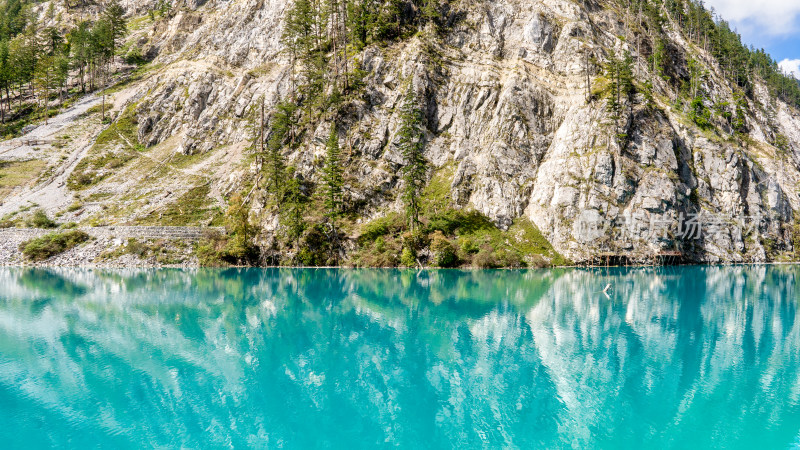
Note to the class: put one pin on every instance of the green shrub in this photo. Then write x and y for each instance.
(241, 231)
(236, 247)
(40, 220)
(391, 224)
(468, 245)
(385, 251)
(492, 258)
(508, 258)
(93, 110)
(45, 247)
(443, 251)
(380, 244)
(455, 220)
(74, 207)
(92, 170)
(315, 247)
(134, 247)
(408, 258)
(538, 262)
(211, 250)
(134, 57)
(218, 250)
(485, 258)
(699, 114)
(194, 207)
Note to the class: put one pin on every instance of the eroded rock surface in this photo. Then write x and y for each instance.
(506, 108)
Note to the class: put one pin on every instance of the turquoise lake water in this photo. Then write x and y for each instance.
(698, 357)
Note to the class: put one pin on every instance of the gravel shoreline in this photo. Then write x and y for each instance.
(166, 247)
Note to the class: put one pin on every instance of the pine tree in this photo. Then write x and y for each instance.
(30, 51)
(114, 14)
(293, 207)
(102, 48)
(696, 75)
(332, 177)
(415, 166)
(658, 56)
(333, 183)
(80, 44)
(620, 73)
(22, 59)
(305, 37)
(61, 65)
(6, 72)
(241, 231)
(299, 29)
(429, 12)
(739, 122)
(12, 19)
(334, 14)
(358, 23)
(52, 41)
(281, 131)
(43, 81)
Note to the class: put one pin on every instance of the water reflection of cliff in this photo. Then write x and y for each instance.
(200, 358)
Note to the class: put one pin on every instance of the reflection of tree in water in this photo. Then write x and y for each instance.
(441, 358)
(48, 283)
(674, 357)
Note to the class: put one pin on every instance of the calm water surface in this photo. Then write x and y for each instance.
(695, 358)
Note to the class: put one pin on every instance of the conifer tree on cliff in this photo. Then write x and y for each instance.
(411, 147)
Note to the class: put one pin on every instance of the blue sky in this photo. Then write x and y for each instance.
(770, 24)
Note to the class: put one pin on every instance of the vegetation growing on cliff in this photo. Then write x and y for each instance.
(647, 28)
(415, 167)
(47, 246)
(322, 38)
(309, 193)
(36, 60)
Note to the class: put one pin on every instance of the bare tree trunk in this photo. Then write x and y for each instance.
(262, 126)
(588, 76)
(46, 98)
(294, 94)
(8, 99)
(344, 45)
(103, 107)
(335, 37)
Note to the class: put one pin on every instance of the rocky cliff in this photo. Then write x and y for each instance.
(517, 126)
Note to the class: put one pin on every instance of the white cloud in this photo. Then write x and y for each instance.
(769, 17)
(791, 66)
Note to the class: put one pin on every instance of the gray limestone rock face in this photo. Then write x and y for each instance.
(505, 98)
(539, 32)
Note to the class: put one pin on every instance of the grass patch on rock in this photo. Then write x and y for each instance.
(451, 237)
(45, 247)
(15, 174)
(124, 130)
(160, 251)
(92, 170)
(115, 146)
(39, 219)
(454, 238)
(192, 208)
